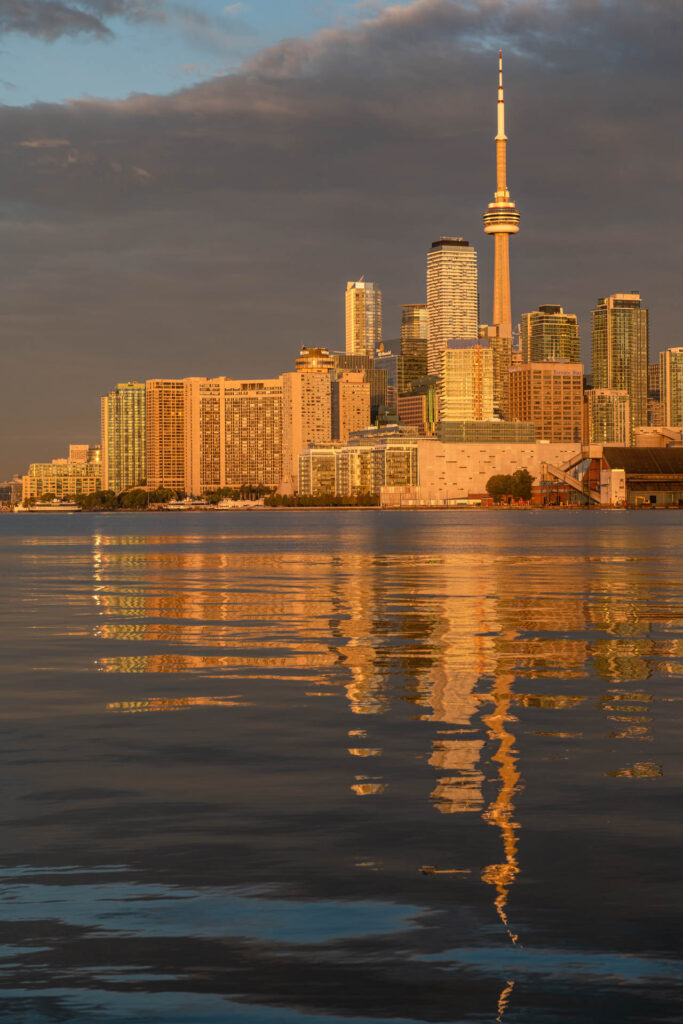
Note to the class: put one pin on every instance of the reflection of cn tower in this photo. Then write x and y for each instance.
(501, 220)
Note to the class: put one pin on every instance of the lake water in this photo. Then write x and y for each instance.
(302, 767)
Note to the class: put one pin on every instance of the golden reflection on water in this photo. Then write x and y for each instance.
(459, 637)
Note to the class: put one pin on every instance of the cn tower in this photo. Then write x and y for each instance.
(501, 220)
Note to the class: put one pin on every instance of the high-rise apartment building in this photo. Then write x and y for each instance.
(466, 386)
(452, 296)
(376, 378)
(314, 360)
(233, 433)
(306, 418)
(549, 334)
(123, 437)
(64, 478)
(363, 318)
(501, 348)
(501, 220)
(415, 364)
(607, 417)
(253, 432)
(414, 321)
(671, 377)
(165, 433)
(620, 350)
(549, 395)
(350, 404)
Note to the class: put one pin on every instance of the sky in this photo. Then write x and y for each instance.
(187, 185)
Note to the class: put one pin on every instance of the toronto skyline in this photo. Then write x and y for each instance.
(169, 232)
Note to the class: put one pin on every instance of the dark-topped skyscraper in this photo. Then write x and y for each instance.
(501, 220)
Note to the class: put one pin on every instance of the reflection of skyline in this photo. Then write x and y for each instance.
(448, 636)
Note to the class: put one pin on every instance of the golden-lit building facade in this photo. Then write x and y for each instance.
(350, 404)
(466, 387)
(452, 296)
(671, 386)
(363, 318)
(123, 432)
(64, 478)
(306, 418)
(549, 395)
(607, 417)
(165, 429)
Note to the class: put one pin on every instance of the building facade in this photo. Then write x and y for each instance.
(607, 417)
(306, 419)
(348, 469)
(350, 404)
(165, 433)
(123, 430)
(466, 386)
(452, 296)
(64, 478)
(671, 385)
(363, 318)
(549, 395)
(414, 321)
(620, 350)
(548, 334)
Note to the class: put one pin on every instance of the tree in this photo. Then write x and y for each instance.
(522, 481)
(499, 486)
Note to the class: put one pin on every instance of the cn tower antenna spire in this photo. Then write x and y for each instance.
(501, 220)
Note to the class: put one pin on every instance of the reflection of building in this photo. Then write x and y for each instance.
(607, 417)
(548, 334)
(363, 318)
(452, 296)
(671, 378)
(620, 350)
(123, 437)
(549, 395)
(165, 429)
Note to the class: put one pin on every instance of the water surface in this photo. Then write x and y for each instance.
(302, 767)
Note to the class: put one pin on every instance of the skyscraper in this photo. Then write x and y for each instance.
(306, 418)
(350, 404)
(607, 418)
(549, 395)
(363, 318)
(620, 350)
(671, 385)
(452, 296)
(466, 389)
(414, 321)
(549, 333)
(123, 437)
(165, 434)
(501, 220)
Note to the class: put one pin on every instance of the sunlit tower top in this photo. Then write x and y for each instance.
(501, 220)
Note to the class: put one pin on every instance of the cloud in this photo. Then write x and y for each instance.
(50, 19)
(342, 154)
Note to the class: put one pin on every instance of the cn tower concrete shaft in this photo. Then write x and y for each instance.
(501, 219)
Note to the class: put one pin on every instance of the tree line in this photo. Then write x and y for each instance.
(515, 485)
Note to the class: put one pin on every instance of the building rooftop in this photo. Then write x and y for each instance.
(649, 461)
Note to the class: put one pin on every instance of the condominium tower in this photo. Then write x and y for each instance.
(414, 321)
(123, 437)
(620, 350)
(549, 395)
(607, 417)
(165, 433)
(671, 384)
(363, 317)
(548, 333)
(501, 220)
(466, 388)
(452, 296)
